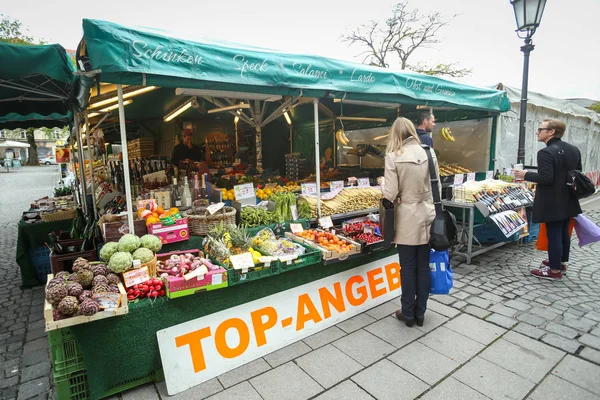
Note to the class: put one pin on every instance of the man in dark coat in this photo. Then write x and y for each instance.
(186, 150)
(425, 124)
(554, 204)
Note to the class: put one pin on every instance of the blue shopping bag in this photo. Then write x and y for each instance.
(441, 272)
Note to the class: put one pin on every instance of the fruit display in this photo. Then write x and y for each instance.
(120, 255)
(154, 214)
(151, 289)
(446, 134)
(369, 238)
(225, 240)
(347, 200)
(327, 240)
(453, 169)
(228, 194)
(72, 294)
(268, 243)
(341, 137)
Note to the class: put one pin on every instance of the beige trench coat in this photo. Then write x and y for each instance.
(408, 186)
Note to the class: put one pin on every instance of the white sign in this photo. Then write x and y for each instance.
(201, 349)
(325, 222)
(294, 211)
(336, 186)
(242, 261)
(296, 228)
(363, 182)
(136, 276)
(489, 175)
(309, 189)
(213, 208)
(458, 179)
(470, 176)
(245, 191)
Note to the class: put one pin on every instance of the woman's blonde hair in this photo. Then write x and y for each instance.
(401, 130)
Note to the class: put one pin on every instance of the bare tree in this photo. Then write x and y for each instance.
(400, 36)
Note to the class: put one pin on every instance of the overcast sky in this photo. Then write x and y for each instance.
(482, 36)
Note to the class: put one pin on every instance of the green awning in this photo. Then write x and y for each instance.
(36, 84)
(143, 57)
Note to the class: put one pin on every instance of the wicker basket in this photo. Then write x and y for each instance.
(151, 267)
(200, 221)
(59, 215)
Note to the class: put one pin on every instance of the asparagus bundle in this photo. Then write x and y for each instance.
(347, 200)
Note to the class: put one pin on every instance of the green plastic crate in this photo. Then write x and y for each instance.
(157, 376)
(310, 257)
(72, 386)
(66, 356)
(236, 277)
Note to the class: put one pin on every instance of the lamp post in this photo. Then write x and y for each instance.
(528, 14)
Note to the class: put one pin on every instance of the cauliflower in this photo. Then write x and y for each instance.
(151, 242)
(120, 262)
(143, 254)
(129, 242)
(108, 250)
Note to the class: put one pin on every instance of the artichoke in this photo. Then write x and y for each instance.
(68, 305)
(74, 289)
(84, 277)
(88, 307)
(100, 269)
(113, 278)
(56, 293)
(99, 279)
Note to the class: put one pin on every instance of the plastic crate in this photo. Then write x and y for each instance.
(534, 232)
(66, 357)
(310, 257)
(72, 386)
(490, 233)
(236, 277)
(156, 376)
(40, 260)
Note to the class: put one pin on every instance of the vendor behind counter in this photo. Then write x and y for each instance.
(186, 150)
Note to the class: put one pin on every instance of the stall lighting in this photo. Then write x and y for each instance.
(381, 137)
(368, 103)
(229, 108)
(125, 96)
(227, 94)
(179, 110)
(115, 106)
(236, 119)
(94, 114)
(287, 117)
(361, 119)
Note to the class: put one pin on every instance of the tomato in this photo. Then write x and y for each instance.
(162, 293)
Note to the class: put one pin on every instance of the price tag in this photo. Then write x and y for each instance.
(198, 272)
(296, 228)
(108, 301)
(309, 189)
(245, 191)
(136, 276)
(325, 222)
(242, 261)
(215, 207)
(217, 279)
(335, 186)
(489, 175)
(471, 177)
(294, 211)
(363, 182)
(458, 179)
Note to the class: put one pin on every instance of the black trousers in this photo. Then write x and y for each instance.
(559, 243)
(416, 278)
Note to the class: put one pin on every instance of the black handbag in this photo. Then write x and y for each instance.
(386, 221)
(580, 185)
(443, 230)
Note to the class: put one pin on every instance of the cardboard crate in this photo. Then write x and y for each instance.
(177, 232)
(329, 255)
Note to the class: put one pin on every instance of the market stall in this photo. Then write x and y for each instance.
(311, 252)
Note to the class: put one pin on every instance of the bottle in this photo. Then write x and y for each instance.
(197, 192)
(204, 191)
(186, 201)
(175, 194)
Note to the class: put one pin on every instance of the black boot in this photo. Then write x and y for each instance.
(408, 321)
(420, 320)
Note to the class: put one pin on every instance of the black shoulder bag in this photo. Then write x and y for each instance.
(443, 230)
(580, 185)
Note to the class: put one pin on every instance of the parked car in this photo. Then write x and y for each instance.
(49, 161)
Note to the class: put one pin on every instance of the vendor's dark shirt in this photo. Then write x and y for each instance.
(424, 136)
(182, 152)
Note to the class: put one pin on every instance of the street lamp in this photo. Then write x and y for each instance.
(528, 14)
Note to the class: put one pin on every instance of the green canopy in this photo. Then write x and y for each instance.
(144, 57)
(36, 85)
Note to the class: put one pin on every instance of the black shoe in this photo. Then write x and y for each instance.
(408, 321)
(420, 320)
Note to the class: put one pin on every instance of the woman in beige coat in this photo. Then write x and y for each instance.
(408, 186)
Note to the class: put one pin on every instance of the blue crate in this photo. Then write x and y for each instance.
(490, 233)
(40, 260)
(534, 232)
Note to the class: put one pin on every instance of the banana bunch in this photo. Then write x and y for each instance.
(341, 137)
(446, 134)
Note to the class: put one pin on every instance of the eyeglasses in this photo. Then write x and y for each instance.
(544, 129)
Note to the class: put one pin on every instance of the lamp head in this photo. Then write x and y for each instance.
(528, 15)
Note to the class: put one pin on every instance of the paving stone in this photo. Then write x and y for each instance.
(423, 362)
(243, 373)
(476, 311)
(324, 337)
(491, 297)
(451, 388)
(245, 391)
(442, 309)
(287, 381)
(472, 290)
(328, 365)
(475, 329)
(461, 295)
(35, 334)
(10, 382)
(35, 357)
(33, 388)
(544, 313)
(432, 321)
(35, 371)
(459, 305)
(492, 380)
(531, 319)
(590, 340)
(595, 332)
(581, 324)
(444, 299)
(451, 344)
(593, 316)
(387, 381)
(383, 310)
(502, 320)
(562, 330)
(517, 305)
(145, 392)
(364, 347)
(568, 345)
(356, 322)
(479, 302)
(287, 353)
(529, 330)
(394, 332)
(591, 355)
(345, 390)
(510, 295)
(555, 388)
(198, 392)
(41, 343)
(580, 372)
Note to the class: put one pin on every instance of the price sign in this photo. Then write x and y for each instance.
(215, 207)
(325, 222)
(309, 189)
(245, 191)
(294, 211)
(335, 186)
(217, 278)
(242, 261)
(458, 179)
(363, 182)
(136, 276)
(200, 272)
(471, 177)
(296, 228)
(367, 229)
(489, 175)
(107, 301)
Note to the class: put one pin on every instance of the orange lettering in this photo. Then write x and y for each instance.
(259, 326)
(221, 342)
(360, 290)
(193, 339)
(328, 299)
(373, 282)
(392, 271)
(312, 314)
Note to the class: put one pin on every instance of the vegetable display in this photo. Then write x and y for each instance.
(129, 242)
(151, 289)
(347, 200)
(254, 216)
(181, 264)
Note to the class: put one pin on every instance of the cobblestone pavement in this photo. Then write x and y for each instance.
(501, 333)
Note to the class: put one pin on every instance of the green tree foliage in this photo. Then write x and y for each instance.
(11, 31)
(595, 107)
